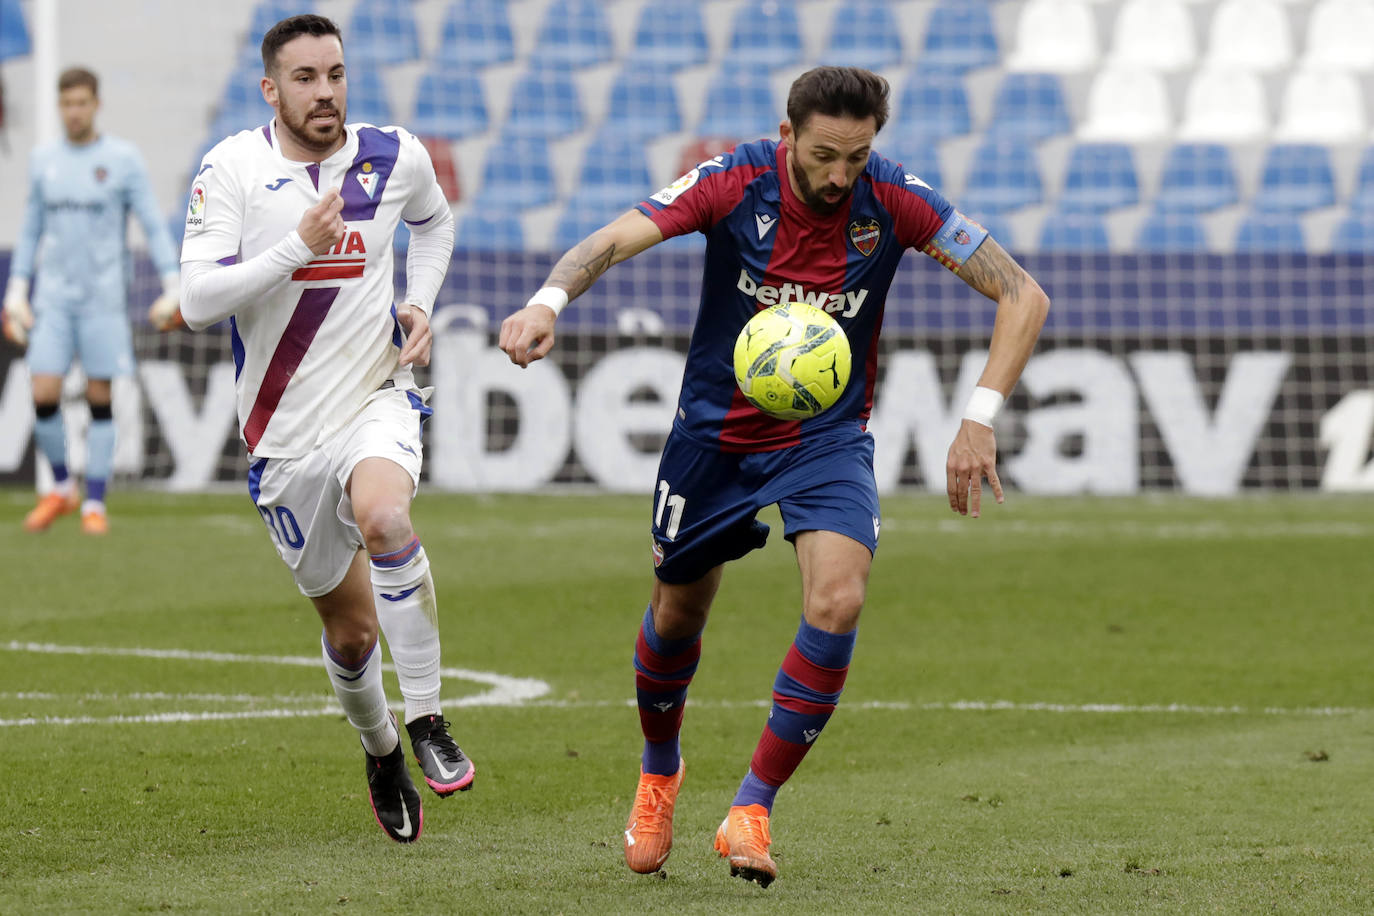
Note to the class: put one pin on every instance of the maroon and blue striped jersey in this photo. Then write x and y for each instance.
(765, 246)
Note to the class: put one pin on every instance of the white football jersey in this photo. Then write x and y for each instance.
(320, 342)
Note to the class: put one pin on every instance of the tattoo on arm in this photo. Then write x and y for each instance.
(993, 272)
(577, 270)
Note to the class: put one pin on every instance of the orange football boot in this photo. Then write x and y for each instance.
(50, 506)
(649, 832)
(743, 839)
(94, 522)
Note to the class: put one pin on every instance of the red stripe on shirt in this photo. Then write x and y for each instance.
(305, 321)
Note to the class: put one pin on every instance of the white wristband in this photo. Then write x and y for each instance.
(17, 288)
(983, 405)
(551, 296)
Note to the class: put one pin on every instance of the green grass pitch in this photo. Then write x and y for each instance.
(1067, 706)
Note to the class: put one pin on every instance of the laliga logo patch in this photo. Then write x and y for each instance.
(864, 233)
(368, 179)
(671, 193)
(196, 207)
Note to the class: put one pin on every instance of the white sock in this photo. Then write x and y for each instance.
(403, 591)
(359, 689)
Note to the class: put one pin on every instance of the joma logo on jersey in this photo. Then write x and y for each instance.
(847, 303)
(337, 263)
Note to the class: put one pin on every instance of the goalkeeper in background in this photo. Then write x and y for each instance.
(81, 191)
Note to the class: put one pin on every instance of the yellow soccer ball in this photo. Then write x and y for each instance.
(792, 361)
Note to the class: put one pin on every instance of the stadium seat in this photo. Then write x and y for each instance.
(1100, 177)
(1321, 106)
(475, 33)
(575, 33)
(383, 32)
(959, 36)
(1004, 176)
(545, 102)
(740, 104)
(1270, 233)
(1340, 35)
(1249, 35)
(1363, 198)
(1073, 231)
(1296, 178)
(489, 230)
(367, 97)
(445, 168)
(1054, 36)
(1127, 105)
(671, 33)
(1197, 177)
(267, 14)
(1224, 106)
(917, 155)
(864, 33)
(580, 218)
(1155, 34)
(242, 106)
(1354, 234)
(1029, 107)
(933, 105)
(768, 33)
(450, 103)
(615, 169)
(14, 34)
(518, 174)
(643, 102)
(998, 227)
(1171, 233)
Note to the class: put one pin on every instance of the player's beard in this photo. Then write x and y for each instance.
(316, 138)
(813, 199)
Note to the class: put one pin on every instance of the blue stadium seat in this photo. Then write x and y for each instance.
(475, 33)
(575, 33)
(545, 102)
(768, 33)
(615, 169)
(959, 36)
(643, 102)
(1270, 232)
(998, 227)
(367, 97)
(1029, 107)
(933, 105)
(489, 230)
(1354, 234)
(1073, 231)
(864, 33)
(518, 173)
(1197, 177)
(1004, 176)
(1295, 178)
(1100, 177)
(580, 218)
(14, 34)
(242, 106)
(1363, 198)
(671, 33)
(740, 104)
(267, 14)
(450, 103)
(1163, 232)
(917, 156)
(382, 32)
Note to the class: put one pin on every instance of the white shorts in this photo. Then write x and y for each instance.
(304, 502)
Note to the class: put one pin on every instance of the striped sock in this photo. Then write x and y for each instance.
(663, 670)
(804, 695)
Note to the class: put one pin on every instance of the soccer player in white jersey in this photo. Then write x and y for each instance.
(289, 235)
(82, 189)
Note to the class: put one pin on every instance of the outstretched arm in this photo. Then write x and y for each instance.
(1021, 309)
(527, 335)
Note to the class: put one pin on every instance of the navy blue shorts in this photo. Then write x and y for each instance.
(706, 500)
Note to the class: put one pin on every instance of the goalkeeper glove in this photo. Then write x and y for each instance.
(165, 312)
(18, 317)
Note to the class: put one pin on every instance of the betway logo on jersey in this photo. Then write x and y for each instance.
(339, 262)
(847, 303)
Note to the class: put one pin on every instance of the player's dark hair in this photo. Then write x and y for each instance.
(837, 92)
(294, 27)
(73, 77)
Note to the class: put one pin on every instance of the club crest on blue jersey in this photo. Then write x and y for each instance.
(101, 173)
(864, 234)
(658, 553)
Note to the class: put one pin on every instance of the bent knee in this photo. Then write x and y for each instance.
(384, 525)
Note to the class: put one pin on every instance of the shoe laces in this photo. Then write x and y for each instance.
(753, 830)
(653, 800)
(442, 741)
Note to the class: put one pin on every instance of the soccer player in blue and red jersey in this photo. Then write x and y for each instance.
(816, 217)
